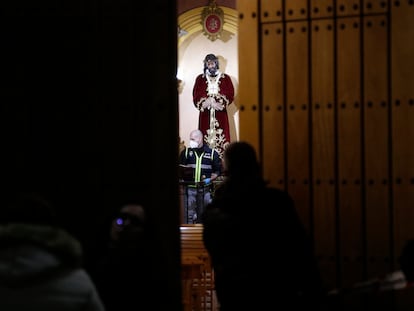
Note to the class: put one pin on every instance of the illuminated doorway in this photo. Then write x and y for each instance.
(193, 46)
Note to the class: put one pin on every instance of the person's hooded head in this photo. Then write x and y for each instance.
(129, 226)
(28, 208)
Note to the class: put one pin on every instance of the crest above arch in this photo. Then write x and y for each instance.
(192, 22)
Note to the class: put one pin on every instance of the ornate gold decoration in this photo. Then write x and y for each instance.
(212, 20)
(215, 137)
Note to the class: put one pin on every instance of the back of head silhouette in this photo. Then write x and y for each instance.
(240, 162)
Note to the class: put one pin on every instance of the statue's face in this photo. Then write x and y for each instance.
(212, 67)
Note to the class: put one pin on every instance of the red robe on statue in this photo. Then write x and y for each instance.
(214, 123)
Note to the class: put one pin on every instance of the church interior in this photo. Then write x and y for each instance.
(97, 102)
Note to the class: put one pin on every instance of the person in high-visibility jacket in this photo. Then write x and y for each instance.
(206, 166)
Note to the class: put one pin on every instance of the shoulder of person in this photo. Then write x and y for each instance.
(207, 148)
(214, 212)
(275, 190)
(277, 193)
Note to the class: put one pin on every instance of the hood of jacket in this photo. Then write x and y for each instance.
(32, 253)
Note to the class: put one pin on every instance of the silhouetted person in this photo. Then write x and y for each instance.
(260, 251)
(40, 263)
(123, 273)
